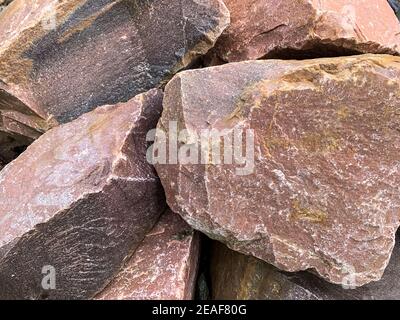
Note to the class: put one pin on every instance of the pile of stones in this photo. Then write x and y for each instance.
(219, 149)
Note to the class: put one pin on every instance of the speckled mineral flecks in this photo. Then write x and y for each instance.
(313, 28)
(239, 277)
(164, 267)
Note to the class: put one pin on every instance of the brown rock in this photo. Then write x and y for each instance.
(318, 185)
(308, 28)
(235, 276)
(164, 267)
(79, 200)
(60, 59)
(239, 277)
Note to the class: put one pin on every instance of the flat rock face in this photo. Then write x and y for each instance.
(164, 267)
(318, 187)
(60, 59)
(78, 201)
(239, 277)
(287, 28)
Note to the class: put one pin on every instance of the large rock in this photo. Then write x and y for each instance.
(308, 28)
(239, 277)
(77, 202)
(164, 267)
(318, 184)
(60, 59)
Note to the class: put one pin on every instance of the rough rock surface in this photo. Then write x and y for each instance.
(60, 59)
(164, 267)
(308, 28)
(80, 199)
(235, 276)
(323, 193)
(239, 277)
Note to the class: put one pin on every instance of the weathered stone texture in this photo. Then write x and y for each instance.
(4, 3)
(60, 59)
(164, 267)
(308, 28)
(79, 199)
(324, 190)
(239, 277)
(235, 276)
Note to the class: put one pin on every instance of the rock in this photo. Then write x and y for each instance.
(164, 267)
(77, 202)
(395, 4)
(310, 173)
(17, 131)
(308, 28)
(240, 277)
(60, 59)
(235, 276)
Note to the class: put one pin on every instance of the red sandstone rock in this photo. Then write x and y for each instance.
(80, 199)
(164, 266)
(4, 4)
(60, 59)
(287, 28)
(323, 193)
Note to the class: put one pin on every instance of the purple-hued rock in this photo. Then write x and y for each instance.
(78, 201)
(287, 28)
(318, 185)
(239, 277)
(164, 266)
